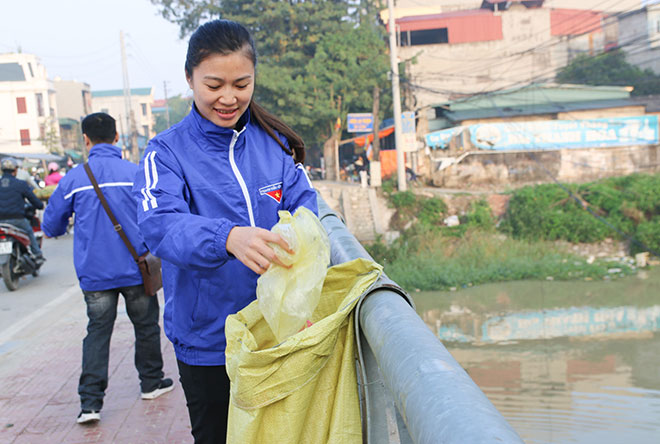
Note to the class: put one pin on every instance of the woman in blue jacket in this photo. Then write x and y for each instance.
(210, 188)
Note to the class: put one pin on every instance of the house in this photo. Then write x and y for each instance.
(114, 102)
(28, 109)
(640, 30)
(542, 133)
(493, 46)
(74, 102)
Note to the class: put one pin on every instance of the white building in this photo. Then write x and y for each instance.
(74, 102)
(112, 102)
(28, 110)
(641, 30)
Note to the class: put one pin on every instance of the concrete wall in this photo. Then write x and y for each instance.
(527, 52)
(74, 99)
(364, 210)
(487, 170)
(114, 105)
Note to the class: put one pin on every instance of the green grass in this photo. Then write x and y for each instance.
(429, 260)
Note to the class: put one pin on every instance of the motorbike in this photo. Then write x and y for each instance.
(15, 257)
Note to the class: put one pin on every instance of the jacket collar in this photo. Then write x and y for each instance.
(105, 150)
(218, 134)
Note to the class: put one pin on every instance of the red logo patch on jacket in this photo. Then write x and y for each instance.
(273, 191)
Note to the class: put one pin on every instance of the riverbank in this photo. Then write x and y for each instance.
(457, 240)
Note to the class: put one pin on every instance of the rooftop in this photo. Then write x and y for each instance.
(120, 92)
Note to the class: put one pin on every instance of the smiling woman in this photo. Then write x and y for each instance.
(210, 190)
(222, 87)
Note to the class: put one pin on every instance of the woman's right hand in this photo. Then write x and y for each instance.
(250, 246)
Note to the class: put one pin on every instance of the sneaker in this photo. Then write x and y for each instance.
(88, 416)
(166, 385)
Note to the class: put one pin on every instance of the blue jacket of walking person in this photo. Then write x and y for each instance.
(230, 178)
(101, 259)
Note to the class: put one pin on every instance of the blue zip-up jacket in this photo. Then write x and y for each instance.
(196, 182)
(101, 258)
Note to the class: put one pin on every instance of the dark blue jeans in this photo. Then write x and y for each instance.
(24, 225)
(143, 312)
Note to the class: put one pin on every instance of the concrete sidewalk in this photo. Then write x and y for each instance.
(40, 358)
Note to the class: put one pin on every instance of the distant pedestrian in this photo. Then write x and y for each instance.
(54, 175)
(104, 266)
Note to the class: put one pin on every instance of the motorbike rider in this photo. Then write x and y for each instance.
(13, 193)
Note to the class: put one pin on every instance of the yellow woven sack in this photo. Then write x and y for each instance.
(288, 296)
(303, 390)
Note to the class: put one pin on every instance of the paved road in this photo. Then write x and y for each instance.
(42, 325)
(56, 277)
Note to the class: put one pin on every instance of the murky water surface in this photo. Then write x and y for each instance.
(564, 362)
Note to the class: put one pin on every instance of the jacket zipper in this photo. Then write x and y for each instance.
(239, 177)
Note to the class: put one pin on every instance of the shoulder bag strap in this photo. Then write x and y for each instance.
(113, 219)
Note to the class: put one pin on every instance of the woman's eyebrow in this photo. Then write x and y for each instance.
(210, 77)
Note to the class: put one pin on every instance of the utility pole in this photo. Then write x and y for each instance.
(396, 99)
(167, 104)
(130, 116)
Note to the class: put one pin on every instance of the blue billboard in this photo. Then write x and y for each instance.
(359, 122)
(556, 134)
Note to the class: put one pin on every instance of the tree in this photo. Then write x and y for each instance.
(50, 137)
(610, 68)
(318, 60)
(179, 108)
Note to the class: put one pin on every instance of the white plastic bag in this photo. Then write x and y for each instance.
(288, 296)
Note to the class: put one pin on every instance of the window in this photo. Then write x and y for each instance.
(144, 109)
(40, 104)
(424, 37)
(25, 137)
(42, 131)
(30, 67)
(20, 105)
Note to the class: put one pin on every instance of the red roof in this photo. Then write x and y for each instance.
(472, 25)
(575, 21)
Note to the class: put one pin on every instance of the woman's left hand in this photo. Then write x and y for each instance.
(250, 246)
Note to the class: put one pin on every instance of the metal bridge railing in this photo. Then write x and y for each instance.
(412, 390)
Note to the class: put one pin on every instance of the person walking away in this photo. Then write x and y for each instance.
(54, 175)
(13, 194)
(104, 266)
(210, 189)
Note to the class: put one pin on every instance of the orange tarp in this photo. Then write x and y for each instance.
(360, 141)
(387, 163)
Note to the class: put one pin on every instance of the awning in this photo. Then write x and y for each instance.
(36, 156)
(368, 138)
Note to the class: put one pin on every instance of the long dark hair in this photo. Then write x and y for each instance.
(226, 37)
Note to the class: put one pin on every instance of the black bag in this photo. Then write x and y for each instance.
(148, 264)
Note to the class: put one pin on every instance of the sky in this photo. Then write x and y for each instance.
(79, 40)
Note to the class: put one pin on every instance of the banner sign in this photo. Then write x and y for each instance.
(441, 139)
(408, 122)
(555, 134)
(359, 122)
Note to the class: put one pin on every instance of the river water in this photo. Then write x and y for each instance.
(564, 362)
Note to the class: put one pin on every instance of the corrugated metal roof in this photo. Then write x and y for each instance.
(528, 110)
(120, 92)
(538, 94)
(11, 72)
